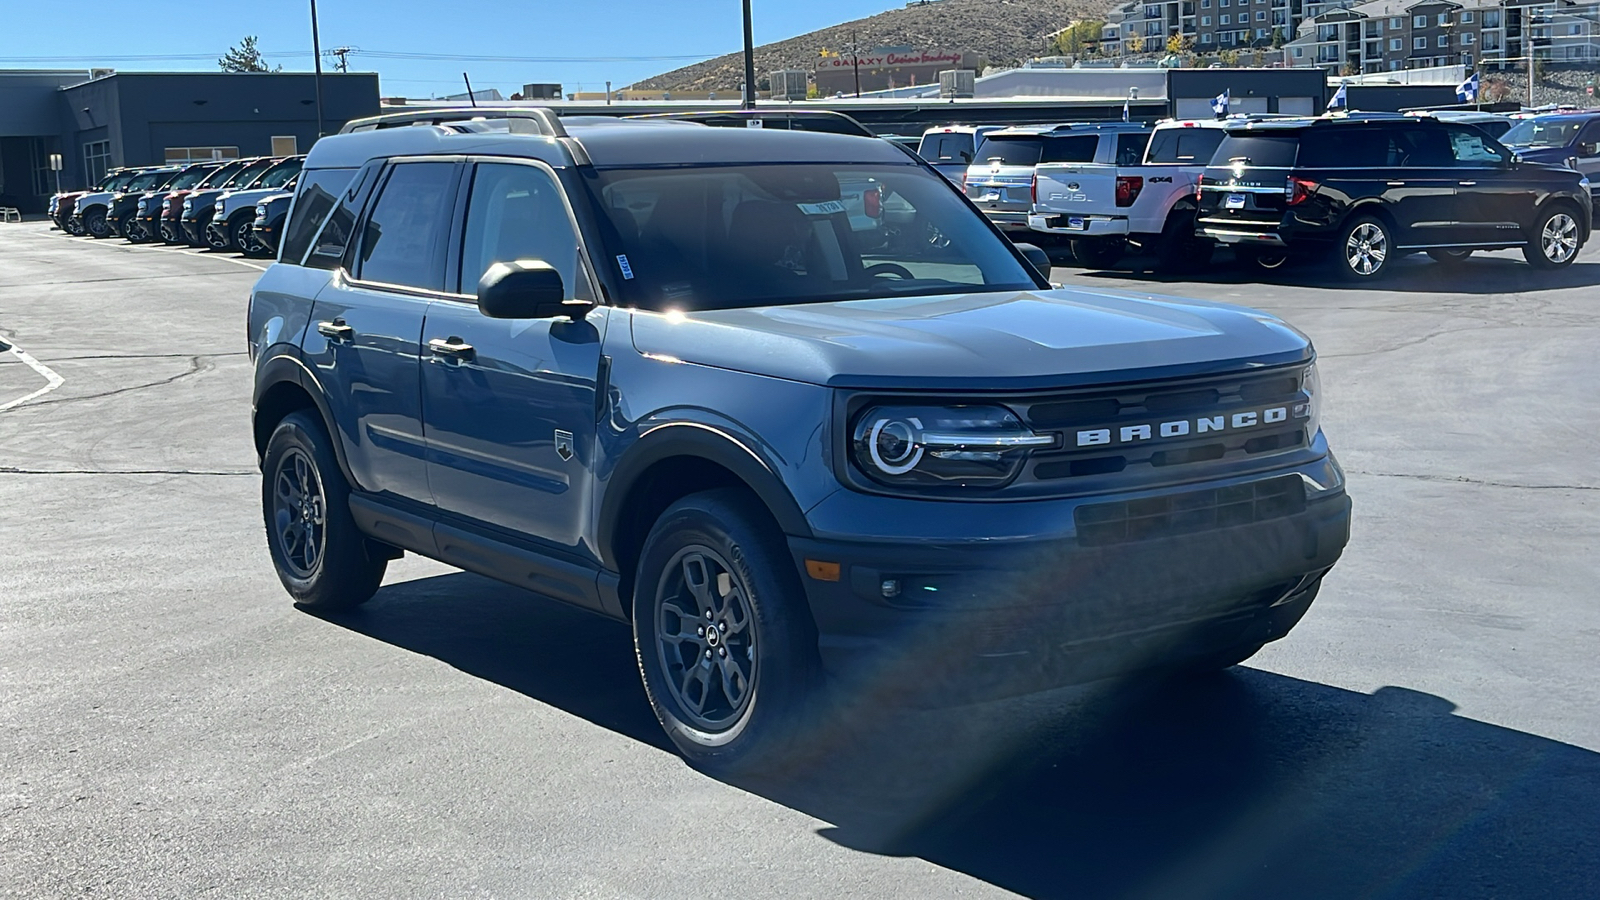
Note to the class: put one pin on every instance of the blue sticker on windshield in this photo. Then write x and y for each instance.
(627, 270)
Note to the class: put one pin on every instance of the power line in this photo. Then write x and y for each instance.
(376, 54)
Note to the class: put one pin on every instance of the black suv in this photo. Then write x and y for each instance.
(1367, 191)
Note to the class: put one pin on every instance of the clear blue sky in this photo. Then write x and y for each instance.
(40, 34)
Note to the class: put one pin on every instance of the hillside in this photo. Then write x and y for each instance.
(1002, 31)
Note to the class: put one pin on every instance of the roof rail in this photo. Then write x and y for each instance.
(519, 120)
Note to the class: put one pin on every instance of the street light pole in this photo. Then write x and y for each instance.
(316, 56)
(749, 61)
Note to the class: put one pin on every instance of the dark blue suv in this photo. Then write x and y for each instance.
(1563, 139)
(784, 401)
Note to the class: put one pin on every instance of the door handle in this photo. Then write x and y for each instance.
(451, 348)
(336, 330)
(1466, 183)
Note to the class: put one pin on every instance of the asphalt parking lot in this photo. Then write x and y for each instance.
(170, 726)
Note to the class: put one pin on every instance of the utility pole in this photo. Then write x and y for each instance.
(855, 60)
(343, 53)
(316, 56)
(749, 61)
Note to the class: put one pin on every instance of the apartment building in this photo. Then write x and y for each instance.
(1371, 36)
(1391, 35)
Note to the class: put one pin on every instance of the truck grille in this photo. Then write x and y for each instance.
(1185, 513)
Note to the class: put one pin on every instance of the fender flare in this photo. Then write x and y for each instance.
(694, 439)
(284, 366)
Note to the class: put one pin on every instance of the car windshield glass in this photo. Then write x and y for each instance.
(115, 182)
(244, 176)
(220, 176)
(720, 237)
(1031, 150)
(951, 146)
(189, 179)
(147, 181)
(280, 175)
(1276, 151)
(1542, 132)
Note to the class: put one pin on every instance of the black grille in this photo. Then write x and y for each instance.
(1192, 511)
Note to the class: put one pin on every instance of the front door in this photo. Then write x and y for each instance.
(510, 405)
(1496, 198)
(366, 328)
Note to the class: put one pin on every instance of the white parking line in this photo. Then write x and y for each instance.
(53, 380)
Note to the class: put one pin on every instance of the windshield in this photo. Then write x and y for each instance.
(244, 176)
(190, 178)
(115, 182)
(742, 236)
(281, 175)
(1258, 150)
(951, 146)
(220, 176)
(147, 181)
(1543, 132)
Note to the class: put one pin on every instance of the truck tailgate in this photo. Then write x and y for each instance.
(1076, 189)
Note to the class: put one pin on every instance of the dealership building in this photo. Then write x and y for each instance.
(99, 119)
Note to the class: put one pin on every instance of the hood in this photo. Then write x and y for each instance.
(988, 341)
(1542, 154)
(92, 199)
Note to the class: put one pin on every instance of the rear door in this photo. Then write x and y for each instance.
(365, 336)
(1420, 185)
(510, 404)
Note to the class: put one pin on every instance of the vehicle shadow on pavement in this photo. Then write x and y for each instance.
(1239, 784)
(1415, 274)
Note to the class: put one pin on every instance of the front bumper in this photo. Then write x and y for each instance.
(1087, 226)
(975, 620)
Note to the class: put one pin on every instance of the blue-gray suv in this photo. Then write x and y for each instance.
(663, 372)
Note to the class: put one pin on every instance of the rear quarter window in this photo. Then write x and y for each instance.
(319, 193)
(1184, 146)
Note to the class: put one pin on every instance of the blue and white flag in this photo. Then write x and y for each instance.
(1338, 98)
(1467, 91)
(1219, 103)
(1125, 110)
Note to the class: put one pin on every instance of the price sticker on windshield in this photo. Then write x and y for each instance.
(825, 208)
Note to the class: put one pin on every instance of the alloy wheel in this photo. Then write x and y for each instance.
(243, 237)
(1366, 248)
(706, 638)
(1559, 239)
(299, 513)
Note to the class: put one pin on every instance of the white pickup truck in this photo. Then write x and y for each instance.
(1102, 206)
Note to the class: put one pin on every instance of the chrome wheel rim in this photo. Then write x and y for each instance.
(1366, 248)
(242, 238)
(1559, 240)
(706, 638)
(298, 513)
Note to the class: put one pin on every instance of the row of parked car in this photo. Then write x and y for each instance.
(236, 205)
(1363, 189)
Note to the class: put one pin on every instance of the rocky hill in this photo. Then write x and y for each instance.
(1002, 31)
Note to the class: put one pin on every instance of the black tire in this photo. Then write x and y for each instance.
(1450, 257)
(717, 535)
(95, 224)
(124, 227)
(202, 223)
(1365, 249)
(239, 232)
(170, 233)
(1098, 253)
(1555, 239)
(1179, 249)
(1266, 259)
(332, 566)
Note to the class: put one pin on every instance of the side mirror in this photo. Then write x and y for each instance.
(527, 289)
(1037, 257)
(1589, 149)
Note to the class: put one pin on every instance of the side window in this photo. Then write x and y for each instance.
(400, 240)
(1420, 147)
(1346, 148)
(328, 246)
(517, 212)
(1589, 140)
(1196, 146)
(1164, 146)
(319, 192)
(1075, 149)
(1472, 148)
(1130, 148)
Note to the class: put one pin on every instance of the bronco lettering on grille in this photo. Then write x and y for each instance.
(1130, 434)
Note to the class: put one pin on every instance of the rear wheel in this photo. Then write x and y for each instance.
(1262, 258)
(1364, 249)
(1179, 249)
(1098, 253)
(724, 638)
(323, 560)
(1450, 257)
(1555, 239)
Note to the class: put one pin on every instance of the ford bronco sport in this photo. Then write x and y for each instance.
(647, 369)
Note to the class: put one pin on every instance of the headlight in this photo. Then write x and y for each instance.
(219, 206)
(166, 206)
(1311, 410)
(188, 205)
(143, 205)
(956, 446)
(261, 212)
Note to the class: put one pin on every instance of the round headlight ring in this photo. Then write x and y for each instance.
(895, 445)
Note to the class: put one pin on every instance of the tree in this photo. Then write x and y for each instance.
(1175, 44)
(245, 58)
(1495, 90)
(1277, 39)
(1229, 58)
(1134, 44)
(1079, 37)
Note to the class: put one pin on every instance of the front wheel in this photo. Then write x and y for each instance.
(1098, 253)
(95, 224)
(1364, 249)
(1266, 259)
(1555, 239)
(240, 235)
(323, 560)
(1450, 257)
(724, 639)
